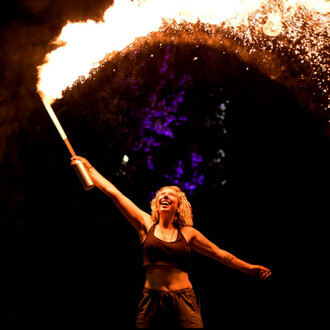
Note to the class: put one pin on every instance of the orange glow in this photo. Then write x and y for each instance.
(82, 46)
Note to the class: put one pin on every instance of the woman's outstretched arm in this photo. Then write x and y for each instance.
(140, 220)
(201, 244)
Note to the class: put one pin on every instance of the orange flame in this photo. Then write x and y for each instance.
(86, 44)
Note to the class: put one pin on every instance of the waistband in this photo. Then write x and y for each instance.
(151, 291)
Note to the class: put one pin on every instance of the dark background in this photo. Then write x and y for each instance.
(251, 152)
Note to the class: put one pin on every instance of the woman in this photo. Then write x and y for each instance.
(167, 236)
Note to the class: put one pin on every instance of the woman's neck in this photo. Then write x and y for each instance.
(167, 223)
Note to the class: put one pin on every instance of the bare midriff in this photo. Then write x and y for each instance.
(166, 278)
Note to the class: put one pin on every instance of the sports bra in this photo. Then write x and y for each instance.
(157, 252)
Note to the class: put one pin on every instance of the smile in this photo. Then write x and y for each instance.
(165, 202)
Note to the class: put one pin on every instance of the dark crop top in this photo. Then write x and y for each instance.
(157, 252)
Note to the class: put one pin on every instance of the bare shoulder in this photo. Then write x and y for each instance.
(189, 233)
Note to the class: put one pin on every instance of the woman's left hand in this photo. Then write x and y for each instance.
(260, 271)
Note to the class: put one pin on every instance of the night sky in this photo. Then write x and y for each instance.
(251, 152)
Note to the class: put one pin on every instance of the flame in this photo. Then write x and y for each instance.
(82, 46)
(273, 26)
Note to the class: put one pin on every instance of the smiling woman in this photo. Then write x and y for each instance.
(167, 196)
(167, 237)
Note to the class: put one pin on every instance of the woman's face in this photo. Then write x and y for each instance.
(168, 200)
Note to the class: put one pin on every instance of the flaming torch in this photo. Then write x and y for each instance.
(79, 167)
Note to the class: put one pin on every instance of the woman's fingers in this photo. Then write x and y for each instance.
(74, 159)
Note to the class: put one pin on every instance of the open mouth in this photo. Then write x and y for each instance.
(165, 202)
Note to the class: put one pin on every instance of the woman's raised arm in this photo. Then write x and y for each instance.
(140, 220)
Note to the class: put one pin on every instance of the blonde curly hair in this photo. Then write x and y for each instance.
(183, 216)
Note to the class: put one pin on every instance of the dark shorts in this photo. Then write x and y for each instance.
(169, 309)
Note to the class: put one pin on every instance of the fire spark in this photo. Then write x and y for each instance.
(300, 27)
